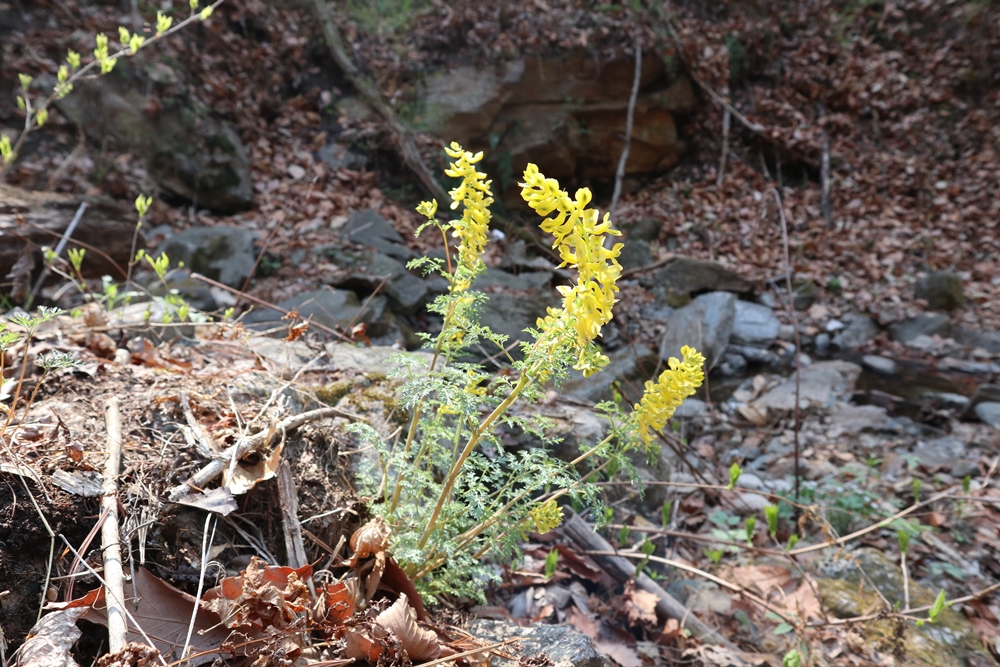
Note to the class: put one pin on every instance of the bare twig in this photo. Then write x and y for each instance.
(726, 114)
(265, 304)
(206, 548)
(906, 579)
(113, 574)
(252, 443)
(208, 443)
(824, 174)
(407, 147)
(790, 305)
(67, 235)
(701, 573)
(295, 548)
(649, 267)
(629, 118)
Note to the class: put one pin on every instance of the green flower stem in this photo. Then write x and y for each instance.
(468, 536)
(457, 466)
(411, 433)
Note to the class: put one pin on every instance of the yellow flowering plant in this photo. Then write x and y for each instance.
(448, 503)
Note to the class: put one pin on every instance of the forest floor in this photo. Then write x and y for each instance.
(900, 98)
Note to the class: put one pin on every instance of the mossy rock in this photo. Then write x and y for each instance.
(845, 588)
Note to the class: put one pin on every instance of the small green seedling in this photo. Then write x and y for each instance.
(734, 475)
(771, 513)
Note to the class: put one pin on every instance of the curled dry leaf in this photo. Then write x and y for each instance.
(369, 539)
(261, 597)
(49, 642)
(401, 621)
(638, 605)
(620, 653)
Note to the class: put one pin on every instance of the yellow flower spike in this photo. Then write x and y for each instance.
(474, 193)
(663, 397)
(579, 239)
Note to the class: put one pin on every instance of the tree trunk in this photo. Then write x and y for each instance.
(30, 220)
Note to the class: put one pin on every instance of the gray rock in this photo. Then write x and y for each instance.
(516, 259)
(528, 280)
(195, 293)
(563, 645)
(821, 385)
(941, 452)
(340, 157)
(926, 324)
(942, 290)
(985, 392)
(822, 342)
(332, 308)
(646, 229)
(879, 364)
(860, 330)
(364, 270)
(733, 365)
(754, 325)
(691, 407)
(972, 338)
(511, 315)
(950, 642)
(705, 324)
(833, 326)
(952, 401)
(632, 364)
(757, 355)
(685, 276)
(368, 228)
(849, 418)
(656, 312)
(636, 253)
(187, 151)
(224, 254)
(989, 413)
(374, 359)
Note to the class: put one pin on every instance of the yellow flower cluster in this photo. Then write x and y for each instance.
(663, 397)
(579, 238)
(474, 193)
(547, 516)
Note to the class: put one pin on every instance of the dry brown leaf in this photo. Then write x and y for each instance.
(621, 654)
(583, 623)
(401, 620)
(370, 538)
(164, 613)
(804, 603)
(638, 605)
(763, 578)
(244, 477)
(50, 640)
(261, 597)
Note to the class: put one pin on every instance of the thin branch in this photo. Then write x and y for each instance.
(629, 118)
(67, 235)
(252, 443)
(790, 305)
(115, 588)
(726, 115)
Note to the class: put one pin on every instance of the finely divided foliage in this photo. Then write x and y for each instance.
(451, 491)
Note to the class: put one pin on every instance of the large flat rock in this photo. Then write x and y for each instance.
(821, 385)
